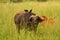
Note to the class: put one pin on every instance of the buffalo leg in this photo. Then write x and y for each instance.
(18, 28)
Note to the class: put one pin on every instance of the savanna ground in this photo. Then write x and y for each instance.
(44, 32)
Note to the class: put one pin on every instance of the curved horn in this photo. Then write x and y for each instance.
(26, 10)
(30, 11)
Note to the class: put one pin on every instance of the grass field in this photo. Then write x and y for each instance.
(44, 32)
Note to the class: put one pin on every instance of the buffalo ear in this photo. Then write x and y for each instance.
(30, 11)
(39, 19)
(26, 10)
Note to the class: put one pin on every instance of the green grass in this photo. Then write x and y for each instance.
(44, 32)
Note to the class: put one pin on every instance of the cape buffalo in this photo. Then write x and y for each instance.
(27, 20)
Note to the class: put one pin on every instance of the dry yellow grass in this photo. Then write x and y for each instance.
(44, 32)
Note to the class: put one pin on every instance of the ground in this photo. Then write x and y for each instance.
(45, 31)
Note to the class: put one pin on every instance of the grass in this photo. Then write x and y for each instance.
(44, 32)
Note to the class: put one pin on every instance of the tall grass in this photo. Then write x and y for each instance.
(44, 32)
(4, 1)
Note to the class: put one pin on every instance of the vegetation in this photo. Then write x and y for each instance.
(45, 32)
(4, 1)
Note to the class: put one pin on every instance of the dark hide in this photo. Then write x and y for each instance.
(27, 20)
(22, 19)
(34, 21)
